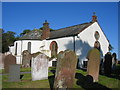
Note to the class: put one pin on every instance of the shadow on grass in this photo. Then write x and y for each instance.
(51, 79)
(86, 82)
(114, 73)
(21, 76)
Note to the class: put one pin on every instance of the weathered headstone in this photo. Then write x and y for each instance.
(39, 69)
(108, 64)
(114, 61)
(14, 73)
(2, 57)
(9, 59)
(93, 63)
(26, 58)
(65, 72)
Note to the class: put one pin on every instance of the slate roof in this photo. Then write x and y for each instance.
(69, 31)
(34, 34)
(63, 32)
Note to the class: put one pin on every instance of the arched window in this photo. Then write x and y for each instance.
(16, 49)
(29, 47)
(97, 35)
(53, 48)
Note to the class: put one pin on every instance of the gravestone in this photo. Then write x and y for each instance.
(9, 59)
(2, 57)
(39, 69)
(65, 71)
(14, 73)
(26, 58)
(108, 64)
(93, 63)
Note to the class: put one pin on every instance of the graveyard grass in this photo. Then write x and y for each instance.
(27, 83)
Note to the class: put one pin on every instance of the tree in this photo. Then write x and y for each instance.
(7, 39)
(25, 32)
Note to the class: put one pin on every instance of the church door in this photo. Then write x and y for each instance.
(53, 48)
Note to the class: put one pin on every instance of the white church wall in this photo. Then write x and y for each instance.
(63, 43)
(35, 46)
(103, 40)
(18, 47)
(23, 45)
(85, 41)
(18, 53)
(12, 49)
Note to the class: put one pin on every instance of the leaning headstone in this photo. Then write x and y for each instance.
(39, 69)
(9, 59)
(65, 72)
(26, 58)
(93, 63)
(14, 73)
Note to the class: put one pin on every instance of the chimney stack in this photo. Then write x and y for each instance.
(94, 17)
(46, 30)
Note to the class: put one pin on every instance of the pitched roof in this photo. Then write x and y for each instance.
(63, 32)
(34, 34)
(69, 31)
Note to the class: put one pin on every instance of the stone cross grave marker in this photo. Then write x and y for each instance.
(39, 69)
(65, 71)
(14, 73)
(93, 63)
(9, 59)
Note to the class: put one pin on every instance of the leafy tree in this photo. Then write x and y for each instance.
(7, 39)
(25, 32)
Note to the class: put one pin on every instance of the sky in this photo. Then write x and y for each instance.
(18, 16)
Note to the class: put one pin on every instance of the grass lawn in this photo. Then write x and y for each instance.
(80, 81)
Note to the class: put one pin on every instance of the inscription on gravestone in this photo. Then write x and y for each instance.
(65, 72)
(39, 69)
(14, 73)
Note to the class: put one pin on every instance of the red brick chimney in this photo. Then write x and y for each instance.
(46, 30)
(94, 17)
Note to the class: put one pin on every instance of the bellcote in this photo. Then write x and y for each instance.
(94, 17)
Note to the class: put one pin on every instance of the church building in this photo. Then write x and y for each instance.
(79, 38)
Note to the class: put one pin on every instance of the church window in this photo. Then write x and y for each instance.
(16, 49)
(97, 35)
(29, 47)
